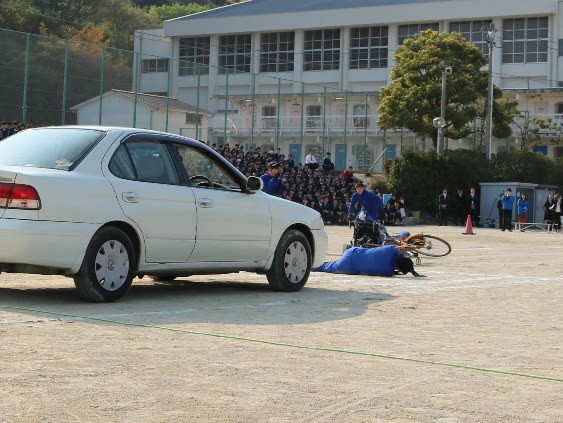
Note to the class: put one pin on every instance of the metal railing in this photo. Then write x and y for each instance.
(295, 125)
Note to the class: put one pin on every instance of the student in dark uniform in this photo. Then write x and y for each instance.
(473, 207)
(460, 214)
(443, 207)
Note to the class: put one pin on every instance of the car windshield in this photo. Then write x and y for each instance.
(52, 148)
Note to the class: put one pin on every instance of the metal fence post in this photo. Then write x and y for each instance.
(136, 88)
(253, 99)
(26, 78)
(302, 114)
(324, 119)
(168, 83)
(102, 65)
(278, 113)
(226, 105)
(65, 81)
(198, 67)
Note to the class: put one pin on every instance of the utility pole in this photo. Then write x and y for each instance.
(490, 38)
(440, 123)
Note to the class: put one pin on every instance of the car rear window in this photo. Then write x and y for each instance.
(52, 148)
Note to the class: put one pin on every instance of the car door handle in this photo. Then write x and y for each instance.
(130, 197)
(205, 202)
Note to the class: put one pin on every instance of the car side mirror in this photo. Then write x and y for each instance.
(253, 184)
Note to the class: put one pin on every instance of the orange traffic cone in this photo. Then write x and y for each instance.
(468, 227)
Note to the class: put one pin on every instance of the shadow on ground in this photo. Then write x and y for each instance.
(187, 301)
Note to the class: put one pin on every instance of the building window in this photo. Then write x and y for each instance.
(359, 115)
(235, 52)
(368, 47)
(560, 47)
(314, 116)
(269, 117)
(321, 50)
(558, 152)
(524, 40)
(276, 52)
(540, 149)
(194, 56)
(154, 65)
(474, 32)
(410, 30)
(193, 119)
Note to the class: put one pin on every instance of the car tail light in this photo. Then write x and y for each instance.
(17, 196)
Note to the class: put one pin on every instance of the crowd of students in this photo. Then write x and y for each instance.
(327, 191)
(8, 128)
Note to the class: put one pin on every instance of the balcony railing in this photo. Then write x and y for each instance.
(292, 125)
(333, 125)
(555, 122)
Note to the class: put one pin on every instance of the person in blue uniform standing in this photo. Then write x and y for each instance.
(507, 206)
(371, 204)
(272, 184)
(523, 206)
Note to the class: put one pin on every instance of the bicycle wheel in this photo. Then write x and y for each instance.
(433, 246)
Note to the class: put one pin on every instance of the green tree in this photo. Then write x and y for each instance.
(413, 99)
(22, 15)
(525, 166)
(169, 11)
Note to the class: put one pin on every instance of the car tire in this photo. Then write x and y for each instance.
(108, 268)
(291, 264)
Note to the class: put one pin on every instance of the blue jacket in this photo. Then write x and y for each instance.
(507, 202)
(272, 186)
(378, 261)
(371, 204)
(522, 207)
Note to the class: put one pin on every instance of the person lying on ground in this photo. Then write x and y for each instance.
(380, 261)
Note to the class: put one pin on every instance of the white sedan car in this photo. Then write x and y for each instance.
(104, 205)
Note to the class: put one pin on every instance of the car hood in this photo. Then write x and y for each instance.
(290, 213)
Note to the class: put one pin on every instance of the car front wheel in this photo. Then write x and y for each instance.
(108, 267)
(292, 263)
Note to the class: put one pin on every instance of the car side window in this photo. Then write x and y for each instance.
(144, 161)
(201, 168)
(121, 165)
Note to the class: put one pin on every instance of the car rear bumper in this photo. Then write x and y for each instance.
(58, 245)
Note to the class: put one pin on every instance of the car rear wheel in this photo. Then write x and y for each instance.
(292, 263)
(108, 267)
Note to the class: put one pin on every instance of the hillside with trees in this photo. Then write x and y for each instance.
(109, 22)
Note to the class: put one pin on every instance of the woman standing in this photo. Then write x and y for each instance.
(522, 210)
(556, 207)
(547, 213)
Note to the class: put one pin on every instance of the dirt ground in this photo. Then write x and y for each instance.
(480, 339)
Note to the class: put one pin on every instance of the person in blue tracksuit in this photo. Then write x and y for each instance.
(272, 184)
(507, 206)
(523, 206)
(371, 204)
(380, 261)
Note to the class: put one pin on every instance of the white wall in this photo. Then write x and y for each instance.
(118, 111)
